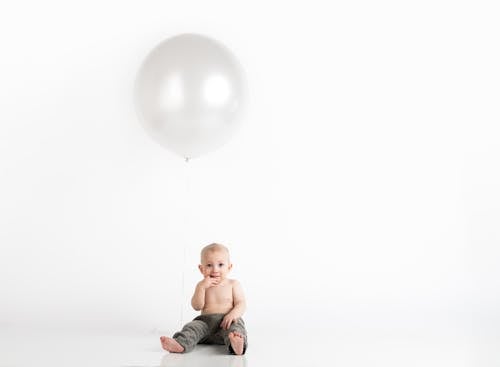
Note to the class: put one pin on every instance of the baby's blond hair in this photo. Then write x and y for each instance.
(213, 247)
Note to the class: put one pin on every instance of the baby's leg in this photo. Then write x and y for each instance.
(236, 338)
(185, 340)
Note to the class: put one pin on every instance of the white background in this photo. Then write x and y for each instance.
(361, 192)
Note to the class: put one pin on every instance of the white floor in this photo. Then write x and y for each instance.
(29, 348)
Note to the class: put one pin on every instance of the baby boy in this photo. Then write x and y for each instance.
(222, 303)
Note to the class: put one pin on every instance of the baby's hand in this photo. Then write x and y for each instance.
(210, 282)
(227, 321)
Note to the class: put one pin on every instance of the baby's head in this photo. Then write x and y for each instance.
(215, 261)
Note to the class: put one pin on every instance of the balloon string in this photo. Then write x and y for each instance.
(186, 235)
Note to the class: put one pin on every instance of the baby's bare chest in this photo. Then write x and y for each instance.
(219, 294)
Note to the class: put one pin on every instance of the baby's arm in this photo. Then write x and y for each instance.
(198, 300)
(239, 306)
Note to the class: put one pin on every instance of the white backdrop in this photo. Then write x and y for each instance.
(362, 190)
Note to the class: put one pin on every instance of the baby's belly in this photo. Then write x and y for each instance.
(217, 308)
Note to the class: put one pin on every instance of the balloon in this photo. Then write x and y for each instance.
(190, 94)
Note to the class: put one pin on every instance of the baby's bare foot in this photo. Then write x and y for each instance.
(171, 345)
(237, 342)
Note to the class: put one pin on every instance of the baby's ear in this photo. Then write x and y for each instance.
(201, 268)
(230, 266)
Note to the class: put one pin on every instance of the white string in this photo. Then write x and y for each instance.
(187, 208)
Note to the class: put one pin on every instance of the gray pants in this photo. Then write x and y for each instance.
(205, 329)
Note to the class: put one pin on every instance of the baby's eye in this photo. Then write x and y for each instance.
(221, 264)
(209, 265)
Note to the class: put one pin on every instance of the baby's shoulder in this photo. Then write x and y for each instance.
(234, 282)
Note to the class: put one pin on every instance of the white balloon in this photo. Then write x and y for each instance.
(190, 94)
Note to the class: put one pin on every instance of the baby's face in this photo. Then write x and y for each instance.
(215, 264)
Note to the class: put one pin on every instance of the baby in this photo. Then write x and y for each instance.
(222, 303)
